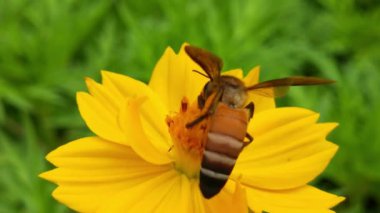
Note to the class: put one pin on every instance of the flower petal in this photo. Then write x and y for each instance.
(146, 196)
(264, 123)
(289, 149)
(108, 83)
(179, 198)
(92, 169)
(146, 142)
(110, 99)
(261, 102)
(299, 200)
(228, 202)
(237, 73)
(252, 76)
(198, 200)
(173, 78)
(99, 117)
(131, 88)
(153, 112)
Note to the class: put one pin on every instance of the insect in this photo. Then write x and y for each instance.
(226, 97)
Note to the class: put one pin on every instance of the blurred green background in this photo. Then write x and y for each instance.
(47, 47)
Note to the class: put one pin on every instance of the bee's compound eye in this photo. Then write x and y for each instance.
(208, 89)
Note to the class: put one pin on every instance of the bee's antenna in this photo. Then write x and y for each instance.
(201, 73)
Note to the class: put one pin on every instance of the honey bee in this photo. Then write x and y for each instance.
(229, 116)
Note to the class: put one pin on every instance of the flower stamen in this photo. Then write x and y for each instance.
(188, 143)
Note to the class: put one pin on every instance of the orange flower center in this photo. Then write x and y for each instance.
(188, 143)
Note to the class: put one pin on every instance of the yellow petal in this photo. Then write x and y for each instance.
(237, 73)
(160, 81)
(109, 84)
(131, 88)
(252, 77)
(228, 202)
(99, 118)
(262, 103)
(92, 169)
(173, 78)
(146, 196)
(288, 151)
(198, 200)
(105, 96)
(288, 174)
(299, 200)
(152, 149)
(179, 199)
(275, 118)
(153, 112)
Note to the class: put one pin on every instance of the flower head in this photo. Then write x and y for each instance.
(144, 159)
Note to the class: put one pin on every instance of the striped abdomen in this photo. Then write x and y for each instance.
(224, 144)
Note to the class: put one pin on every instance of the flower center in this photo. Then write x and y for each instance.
(188, 143)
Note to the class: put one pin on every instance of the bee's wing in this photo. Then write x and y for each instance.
(271, 92)
(279, 87)
(210, 63)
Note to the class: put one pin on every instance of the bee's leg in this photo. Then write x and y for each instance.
(210, 110)
(201, 102)
(251, 109)
(199, 119)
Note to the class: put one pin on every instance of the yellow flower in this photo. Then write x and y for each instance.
(143, 159)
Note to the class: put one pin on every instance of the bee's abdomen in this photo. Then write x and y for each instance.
(224, 144)
(218, 161)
